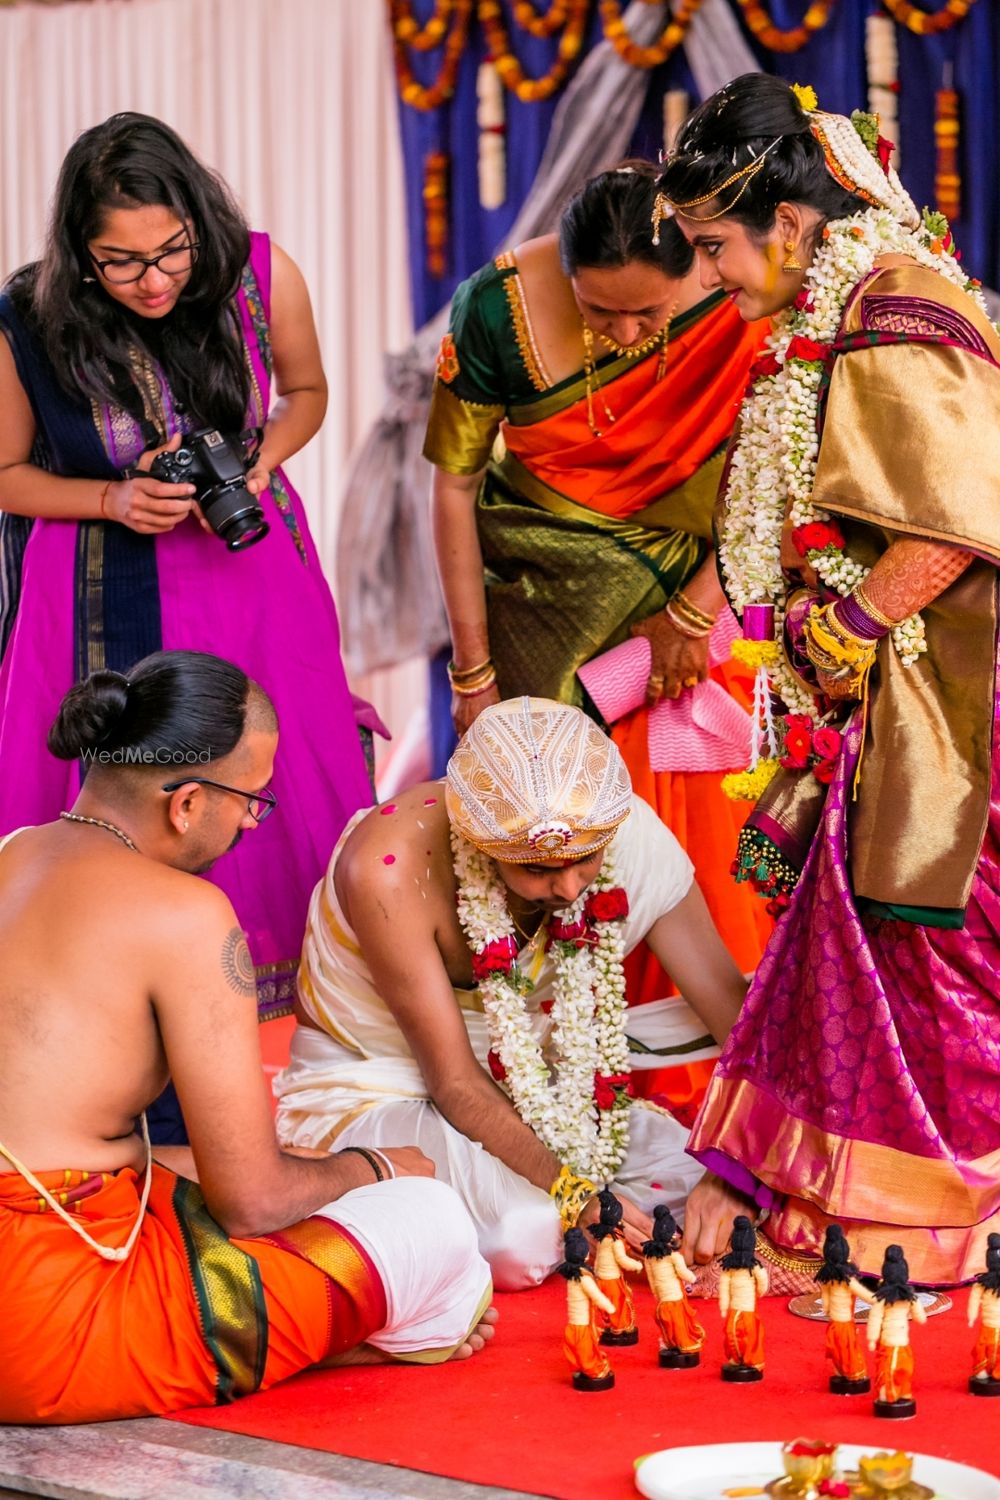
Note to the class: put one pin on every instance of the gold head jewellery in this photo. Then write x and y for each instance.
(744, 175)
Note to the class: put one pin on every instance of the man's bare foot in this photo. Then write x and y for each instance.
(480, 1335)
(708, 1219)
(366, 1354)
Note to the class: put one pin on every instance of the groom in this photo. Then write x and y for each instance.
(461, 987)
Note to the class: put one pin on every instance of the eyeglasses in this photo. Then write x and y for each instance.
(171, 262)
(260, 805)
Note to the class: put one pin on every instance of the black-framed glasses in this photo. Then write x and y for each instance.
(171, 262)
(260, 805)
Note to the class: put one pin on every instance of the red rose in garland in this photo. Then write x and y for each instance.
(797, 746)
(808, 350)
(816, 536)
(495, 958)
(496, 1066)
(607, 906)
(826, 742)
(607, 1087)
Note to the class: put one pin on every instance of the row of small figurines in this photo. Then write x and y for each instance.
(601, 1312)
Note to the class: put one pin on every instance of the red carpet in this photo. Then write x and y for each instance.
(510, 1417)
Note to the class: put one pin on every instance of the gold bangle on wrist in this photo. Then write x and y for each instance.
(465, 675)
(875, 614)
(685, 627)
(102, 512)
(690, 611)
(569, 1193)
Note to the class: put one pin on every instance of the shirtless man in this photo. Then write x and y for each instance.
(118, 967)
(427, 896)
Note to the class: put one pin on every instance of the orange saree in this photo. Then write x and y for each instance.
(583, 535)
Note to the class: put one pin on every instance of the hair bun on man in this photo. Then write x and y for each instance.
(89, 714)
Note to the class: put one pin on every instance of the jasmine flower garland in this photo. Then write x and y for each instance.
(567, 1073)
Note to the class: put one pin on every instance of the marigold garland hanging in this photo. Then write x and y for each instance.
(928, 23)
(532, 90)
(408, 29)
(430, 96)
(785, 39)
(530, 21)
(670, 38)
(947, 178)
(435, 194)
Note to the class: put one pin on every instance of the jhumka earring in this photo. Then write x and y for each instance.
(792, 262)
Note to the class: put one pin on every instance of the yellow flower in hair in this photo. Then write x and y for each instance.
(806, 96)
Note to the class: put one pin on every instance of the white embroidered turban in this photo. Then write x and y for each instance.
(535, 781)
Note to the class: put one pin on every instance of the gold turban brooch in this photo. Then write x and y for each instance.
(536, 782)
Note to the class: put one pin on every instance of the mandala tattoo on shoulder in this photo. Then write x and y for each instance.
(237, 965)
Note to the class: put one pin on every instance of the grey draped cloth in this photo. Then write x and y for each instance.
(387, 590)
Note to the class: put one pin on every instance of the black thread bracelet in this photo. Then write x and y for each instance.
(369, 1158)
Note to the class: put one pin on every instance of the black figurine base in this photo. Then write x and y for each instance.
(896, 1410)
(741, 1374)
(619, 1338)
(841, 1385)
(676, 1359)
(987, 1387)
(583, 1382)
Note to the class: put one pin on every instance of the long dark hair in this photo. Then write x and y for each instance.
(131, 161)
(665, 1232)
(174, 708)
(609, 223)
(837, 1264)
(731, 130)
(990, 1278)
(742, 1244)
(895, 1283)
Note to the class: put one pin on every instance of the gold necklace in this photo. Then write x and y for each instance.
(100, 823)
(629, 351)
(528, 936)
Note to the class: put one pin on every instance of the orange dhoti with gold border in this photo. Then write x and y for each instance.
(622, 1320)
(584, 1353)
(893, 1372)
(743, 1339)
(679, 1328)
(844, 1348)
(191, 1318)
(986, 1354)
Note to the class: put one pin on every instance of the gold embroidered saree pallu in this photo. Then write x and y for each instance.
(191, 1318)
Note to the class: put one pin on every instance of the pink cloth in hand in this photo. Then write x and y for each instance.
(702, 730)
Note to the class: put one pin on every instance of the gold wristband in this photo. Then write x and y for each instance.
(685, 627)
(875, 614)
(691, 611)
(569, 1193)
(473, 689)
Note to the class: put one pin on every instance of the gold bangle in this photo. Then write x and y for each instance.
(102, 512)
(472, 690)
(688, 607)
(875, 614)
(569, 1193)
(684, 627)
(467, 674)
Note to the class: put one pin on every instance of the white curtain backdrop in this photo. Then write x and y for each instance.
(293, 102)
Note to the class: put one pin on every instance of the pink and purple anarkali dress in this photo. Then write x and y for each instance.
(76, 596)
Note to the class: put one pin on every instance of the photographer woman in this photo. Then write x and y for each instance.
(153, 313)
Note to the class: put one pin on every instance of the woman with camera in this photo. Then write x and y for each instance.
(156, 317)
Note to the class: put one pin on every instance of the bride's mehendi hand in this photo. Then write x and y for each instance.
(677, 662)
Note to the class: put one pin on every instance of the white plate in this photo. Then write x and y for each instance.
(707, 1472)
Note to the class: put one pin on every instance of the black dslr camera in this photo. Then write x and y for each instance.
(216, 465)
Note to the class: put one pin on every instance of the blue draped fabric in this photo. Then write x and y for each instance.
(833, 62)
